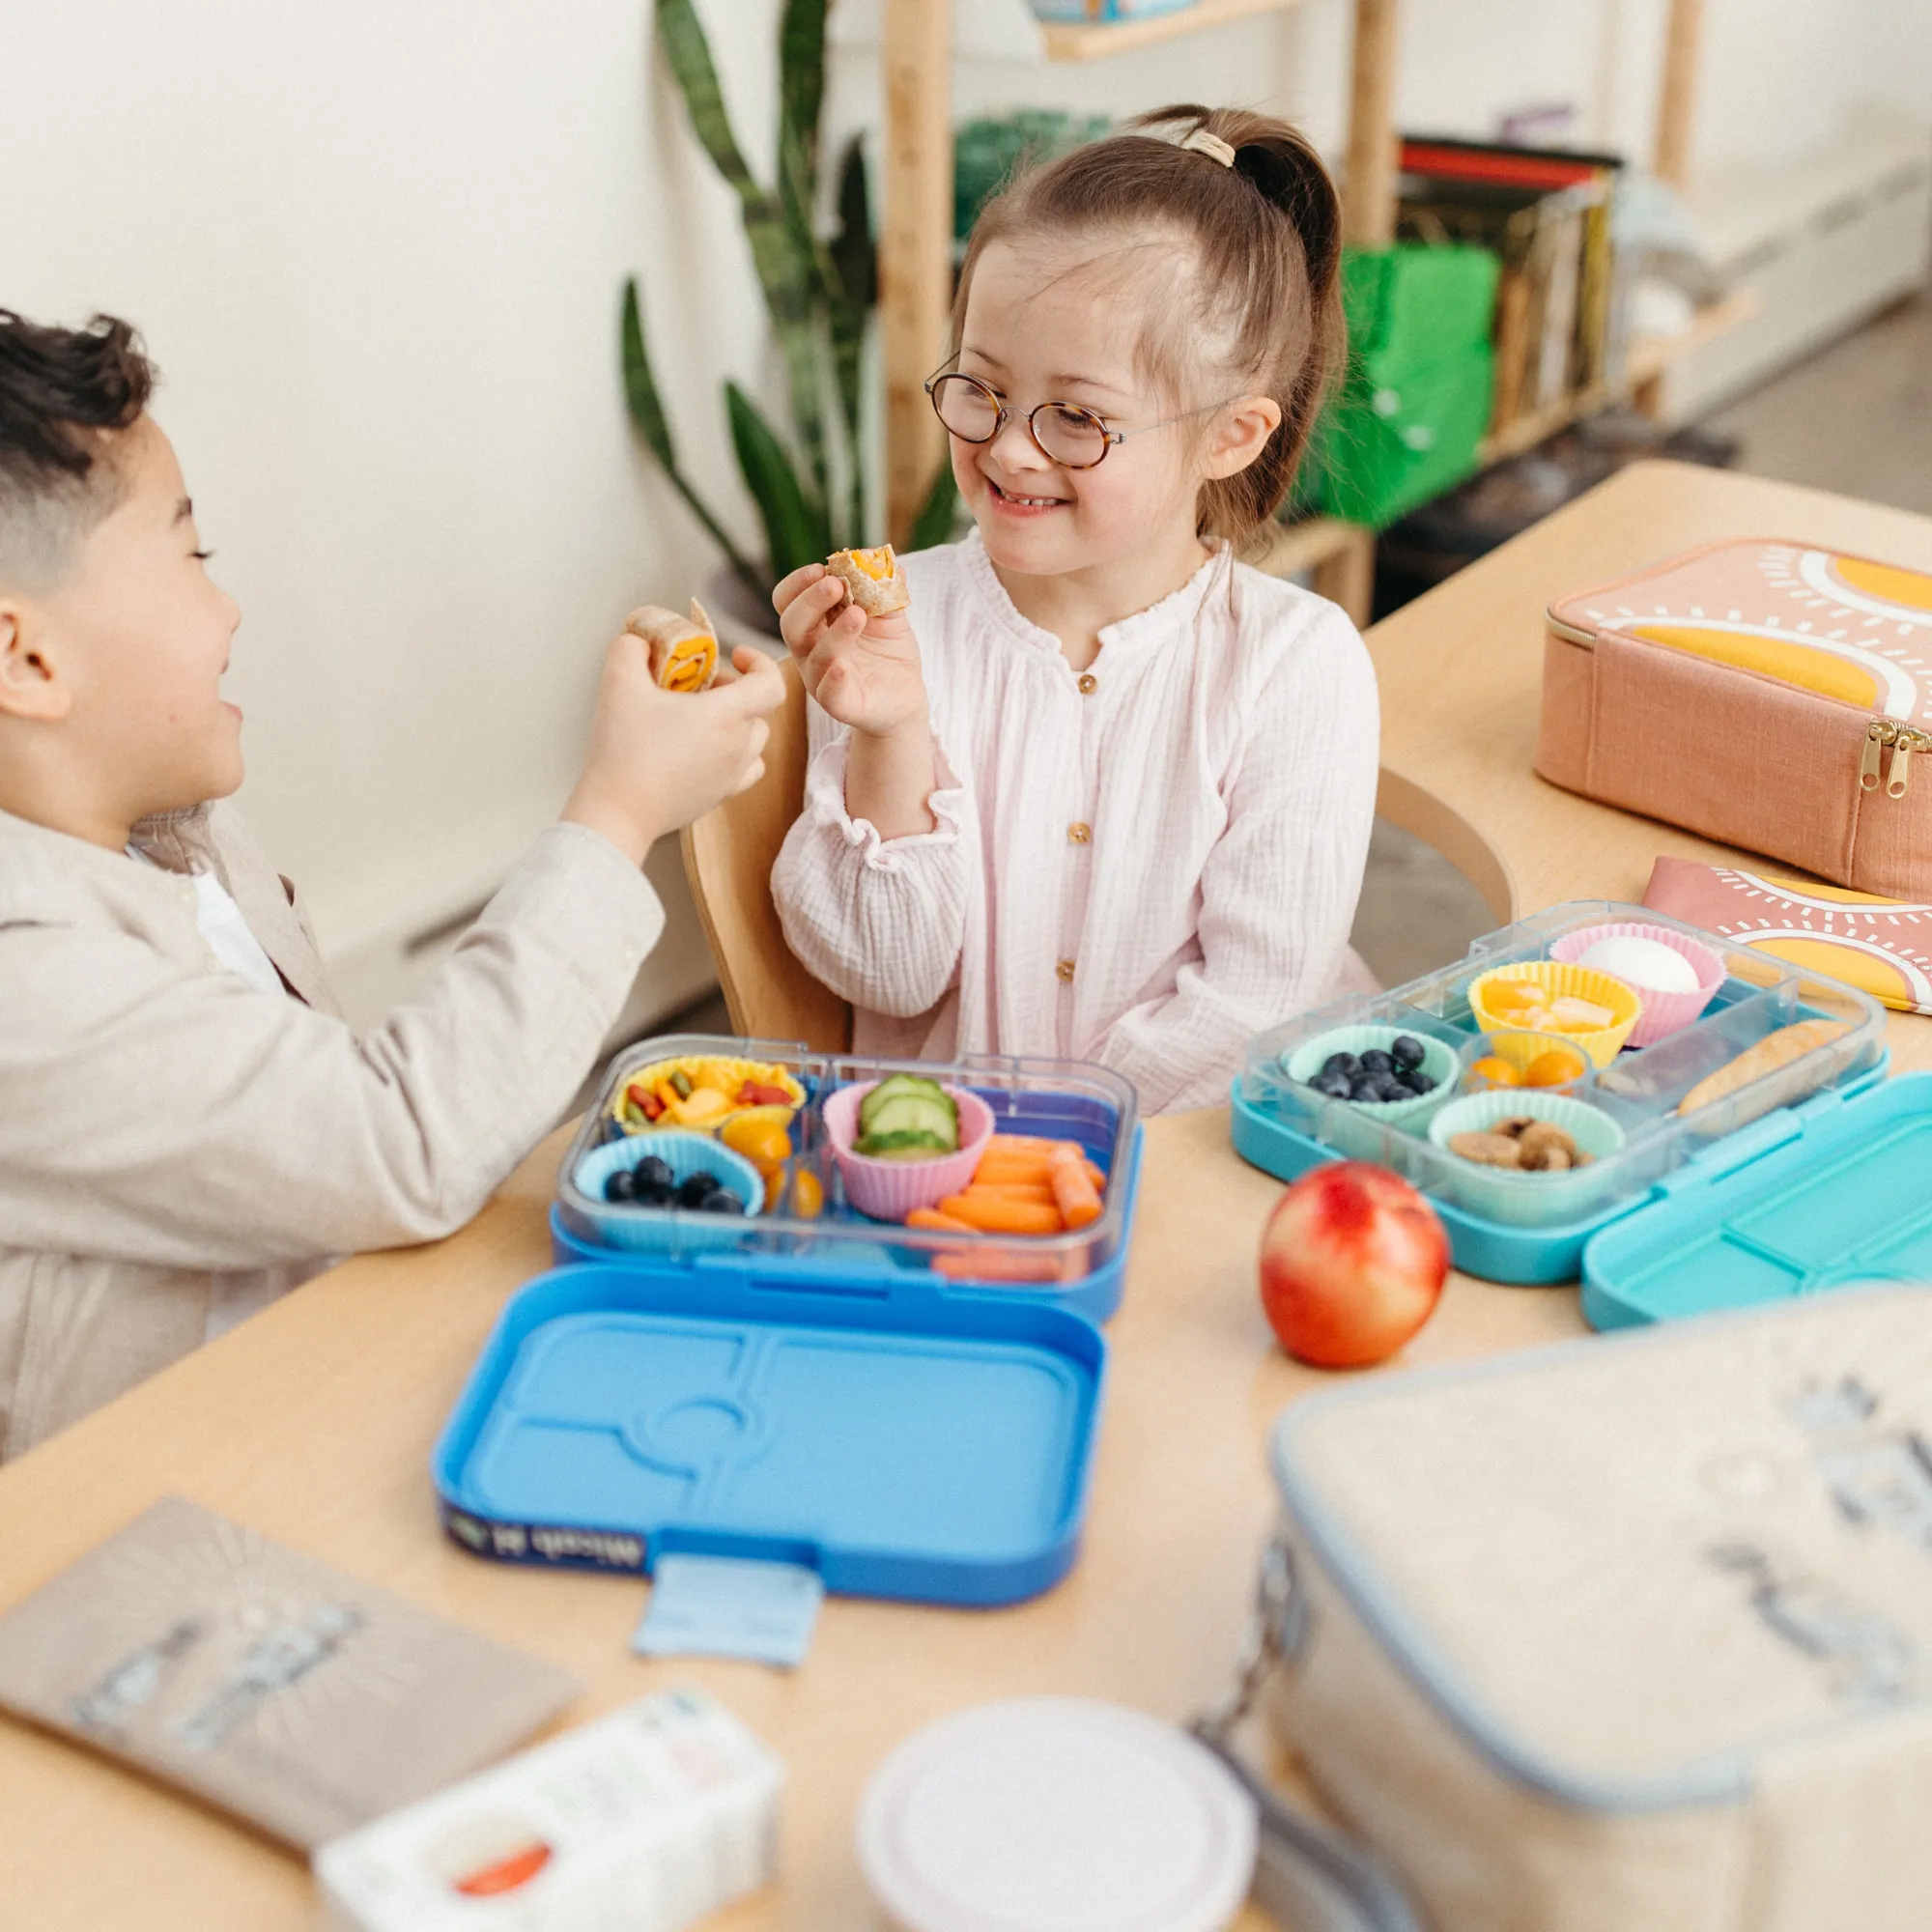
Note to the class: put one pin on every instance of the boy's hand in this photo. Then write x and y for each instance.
(660, 758)
(863, 670)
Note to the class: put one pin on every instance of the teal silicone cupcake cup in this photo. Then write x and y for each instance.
(1355, 1126)
(1528, 1200)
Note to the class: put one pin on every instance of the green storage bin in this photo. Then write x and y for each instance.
(1413, 305)
(1413, 407)
(1393, 440)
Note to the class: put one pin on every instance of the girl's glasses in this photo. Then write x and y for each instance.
(1064, 432)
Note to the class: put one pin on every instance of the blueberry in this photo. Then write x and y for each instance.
(655, 1171)
(1364, 1087)
(1344, 1063)
(1334, 1085)
(691, 1193)
(621, 1185)
(654, 1194)
(1416, 1081)
(1376, 1060)
(1407, 1051)
(720, 1200)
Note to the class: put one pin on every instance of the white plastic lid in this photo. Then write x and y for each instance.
(1056, 1814)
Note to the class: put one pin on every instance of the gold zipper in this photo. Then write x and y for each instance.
(1879, 733)
(1904, 744)
(1885, 734)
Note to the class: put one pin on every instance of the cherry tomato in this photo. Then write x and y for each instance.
(1555, 1069)
(764, 1143)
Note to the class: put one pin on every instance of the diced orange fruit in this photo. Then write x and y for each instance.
(1508, 996)
(1494, 1073)
(1555, 1069)
(1579, 1015)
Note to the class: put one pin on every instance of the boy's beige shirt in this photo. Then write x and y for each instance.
(161, 1123)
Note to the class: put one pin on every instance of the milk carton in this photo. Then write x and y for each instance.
(649, 1819)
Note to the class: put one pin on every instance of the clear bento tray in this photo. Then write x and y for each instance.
(1057, 1100)
(1639, 1091)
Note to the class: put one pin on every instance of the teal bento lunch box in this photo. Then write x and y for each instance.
(1536, 1227)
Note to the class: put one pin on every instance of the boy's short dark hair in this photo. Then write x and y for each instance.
(61, 391)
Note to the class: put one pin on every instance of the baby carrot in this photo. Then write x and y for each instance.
(994, 1213)
(931, 1218)
(1041, 1190)
(1073, 1188)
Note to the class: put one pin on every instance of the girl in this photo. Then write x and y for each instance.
(1113, 802)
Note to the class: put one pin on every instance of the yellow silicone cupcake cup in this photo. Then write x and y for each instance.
(1557, 979)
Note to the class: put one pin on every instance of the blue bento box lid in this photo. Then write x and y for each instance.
(902, 1437)
(1826, 1195)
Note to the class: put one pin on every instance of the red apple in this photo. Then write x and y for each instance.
(1352, 1264)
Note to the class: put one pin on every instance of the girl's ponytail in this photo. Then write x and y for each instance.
(1267, 235)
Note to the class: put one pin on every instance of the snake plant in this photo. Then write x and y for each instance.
(817, 292)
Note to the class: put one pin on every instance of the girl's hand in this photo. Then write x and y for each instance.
(863, 672)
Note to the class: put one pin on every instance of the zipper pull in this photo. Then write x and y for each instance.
(1878, 734)
(1900, 775)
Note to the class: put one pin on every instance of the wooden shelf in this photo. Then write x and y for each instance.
(1084, 41)
(1647, 359)
(1293, 548)
(1650, 355)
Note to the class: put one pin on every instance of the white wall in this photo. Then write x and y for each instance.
(377, 249)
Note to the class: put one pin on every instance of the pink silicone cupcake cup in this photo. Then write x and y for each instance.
(1662, 1013)
(889, 1190)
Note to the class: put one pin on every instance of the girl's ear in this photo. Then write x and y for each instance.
(1238, 435)
(30, 687)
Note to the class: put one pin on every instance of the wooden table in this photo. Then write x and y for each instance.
(314, 1421)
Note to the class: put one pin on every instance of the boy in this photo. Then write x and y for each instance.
(187, 1124)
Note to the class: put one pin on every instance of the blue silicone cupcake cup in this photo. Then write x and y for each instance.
(669, 1230)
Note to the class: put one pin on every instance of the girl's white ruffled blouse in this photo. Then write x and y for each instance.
(1143, 864)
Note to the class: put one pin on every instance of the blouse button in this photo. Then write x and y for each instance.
(1065, 969)
(1089, 684)
(1080, 834)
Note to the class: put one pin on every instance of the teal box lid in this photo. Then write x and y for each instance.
(1833, 1193)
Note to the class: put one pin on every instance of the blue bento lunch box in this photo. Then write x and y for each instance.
(1524, 1229)
(888, 1405)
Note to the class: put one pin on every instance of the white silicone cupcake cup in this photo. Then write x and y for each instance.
(1663, 1013)
(889, 1190)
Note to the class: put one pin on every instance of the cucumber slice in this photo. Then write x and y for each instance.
(910, 1144)
(896, 1086)
(914, 1113)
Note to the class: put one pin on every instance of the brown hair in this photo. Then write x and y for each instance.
(1267, 235)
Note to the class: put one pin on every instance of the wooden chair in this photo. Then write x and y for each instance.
(728, 856)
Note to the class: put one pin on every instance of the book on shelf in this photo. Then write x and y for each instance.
(1548, 216)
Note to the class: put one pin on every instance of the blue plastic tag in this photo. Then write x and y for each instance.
(730, 1606)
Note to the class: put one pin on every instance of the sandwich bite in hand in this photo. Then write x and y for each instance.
(684, 651)
(874, 580)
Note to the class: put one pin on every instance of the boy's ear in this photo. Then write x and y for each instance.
(1241, 434)
(30, 687)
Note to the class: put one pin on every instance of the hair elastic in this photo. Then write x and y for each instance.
(1202, 142)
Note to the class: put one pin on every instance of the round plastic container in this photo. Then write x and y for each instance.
(889, 1190)
(1529, 1200)
(1559, 977)
(652, 1230)
(1354, 1126)
(1663, 1013)
(1056, 1814)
